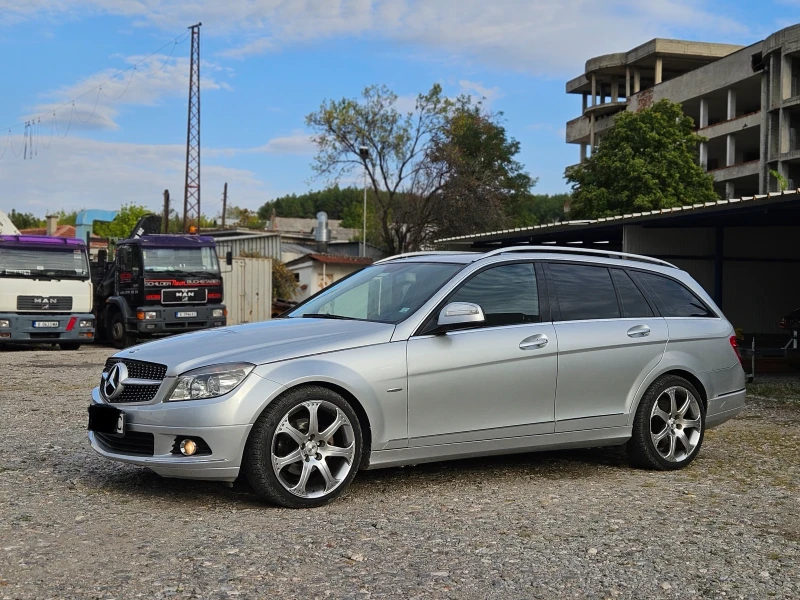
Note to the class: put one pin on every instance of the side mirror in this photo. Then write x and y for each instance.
(458, 314)
(229, 258)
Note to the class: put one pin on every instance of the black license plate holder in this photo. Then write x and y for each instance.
(106, 419)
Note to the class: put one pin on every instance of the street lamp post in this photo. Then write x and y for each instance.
(363, 152)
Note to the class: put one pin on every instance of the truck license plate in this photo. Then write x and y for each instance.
(185, 313)
(45, 323)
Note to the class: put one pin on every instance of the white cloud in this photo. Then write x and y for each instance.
(81, 173)
(298, 143)
(538, 36)
(154, 78)
(475, 88)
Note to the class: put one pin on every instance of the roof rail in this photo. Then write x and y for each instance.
(421, 253)
(585, 251)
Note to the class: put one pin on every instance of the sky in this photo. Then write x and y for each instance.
(115, 74)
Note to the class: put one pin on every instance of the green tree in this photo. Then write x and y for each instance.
(647, 161)
(335, 201)
(399, 171)
(25, 220)
(123, 223)
(537, 209)
(483, 180)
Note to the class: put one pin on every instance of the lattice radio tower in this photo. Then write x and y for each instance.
(191, 192)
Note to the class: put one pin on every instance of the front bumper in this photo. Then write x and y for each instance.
(22, 329)
(167, 320)
(223, 423)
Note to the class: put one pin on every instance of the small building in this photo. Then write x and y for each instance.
(303, 231)
(316, 271)
(744, 100)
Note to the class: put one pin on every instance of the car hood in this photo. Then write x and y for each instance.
(259, 343)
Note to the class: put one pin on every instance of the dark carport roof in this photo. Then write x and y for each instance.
(779, 208)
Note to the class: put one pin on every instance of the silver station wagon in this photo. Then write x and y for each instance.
(426, 357)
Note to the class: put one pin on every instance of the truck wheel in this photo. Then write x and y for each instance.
(120, 338)
(69, 345)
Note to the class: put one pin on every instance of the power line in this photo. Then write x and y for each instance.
(175, 41)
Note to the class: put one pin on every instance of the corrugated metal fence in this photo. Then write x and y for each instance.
(266, 245)
(248, 290)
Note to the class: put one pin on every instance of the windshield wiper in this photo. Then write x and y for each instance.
(328, 316)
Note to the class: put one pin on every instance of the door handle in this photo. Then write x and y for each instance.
(639, 331)
(535, 341)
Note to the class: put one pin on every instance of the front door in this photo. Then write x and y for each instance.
(609, 340)
(494, 381)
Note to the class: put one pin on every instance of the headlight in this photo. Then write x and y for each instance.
(146, 316)
(4, 323)
(218, 312)
(89, 323)
(210, 382)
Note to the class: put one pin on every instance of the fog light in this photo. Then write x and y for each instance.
(5, 335)
(188, 447)
(5, 323)
(218, 323)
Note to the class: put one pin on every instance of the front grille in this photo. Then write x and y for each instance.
(134, 442)
(44, 303)
(138, 369)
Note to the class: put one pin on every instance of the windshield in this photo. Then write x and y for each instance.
(387, 293)
(192, 260)
(34, 263)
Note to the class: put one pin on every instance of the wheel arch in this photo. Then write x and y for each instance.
(349, 397)
(679, 371)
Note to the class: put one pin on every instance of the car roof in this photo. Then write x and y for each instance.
(538, 252)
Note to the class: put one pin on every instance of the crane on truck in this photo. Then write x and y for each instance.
(157, 285)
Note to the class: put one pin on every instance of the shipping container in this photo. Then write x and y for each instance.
(248, 290)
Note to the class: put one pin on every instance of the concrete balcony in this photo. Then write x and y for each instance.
(732, 126)
(736, 171)
(605, 109)
(578, 129)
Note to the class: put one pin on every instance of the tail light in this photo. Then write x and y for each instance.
(735, 346)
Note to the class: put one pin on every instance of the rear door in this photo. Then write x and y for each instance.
(609, 339)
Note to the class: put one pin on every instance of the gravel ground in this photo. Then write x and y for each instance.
(560, 524)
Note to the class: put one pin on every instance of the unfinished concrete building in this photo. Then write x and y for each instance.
(744, 100)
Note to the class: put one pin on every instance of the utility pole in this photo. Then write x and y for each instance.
(165, 218)
(224, 203)
(191, 190)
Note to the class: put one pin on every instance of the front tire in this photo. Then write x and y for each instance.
(304, 449)
(120, 338)
(669, 425)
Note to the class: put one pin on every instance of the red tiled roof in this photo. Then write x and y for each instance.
(64, 231)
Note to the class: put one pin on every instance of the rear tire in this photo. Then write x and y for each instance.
(120, 338)
(304, 449)
(70, 345)
(669, 425)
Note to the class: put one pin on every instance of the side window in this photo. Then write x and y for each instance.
(630, 298)
(584, 292)
(672, 298)
(508, 294)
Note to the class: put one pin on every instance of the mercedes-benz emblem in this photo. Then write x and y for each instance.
(114, 381)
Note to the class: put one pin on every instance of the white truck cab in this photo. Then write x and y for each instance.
(45, 291)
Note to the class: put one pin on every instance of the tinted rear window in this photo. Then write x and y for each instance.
(672, 298)
(584, 292)
(632, 301)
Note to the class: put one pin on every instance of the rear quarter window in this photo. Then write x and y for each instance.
(672, 298)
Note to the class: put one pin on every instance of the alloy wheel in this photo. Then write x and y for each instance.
(676, 424)
(313, 449)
